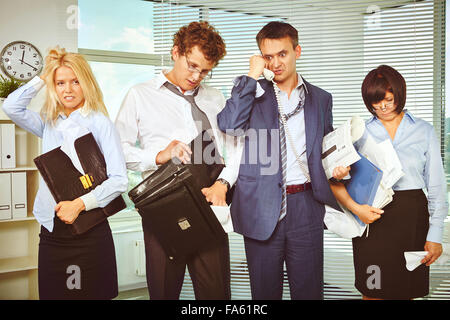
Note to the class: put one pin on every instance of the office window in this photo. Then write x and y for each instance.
(341, 41)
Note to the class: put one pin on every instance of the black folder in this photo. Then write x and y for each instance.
(66, 183)
(172, 205)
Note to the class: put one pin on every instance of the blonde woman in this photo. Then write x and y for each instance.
(82, 266)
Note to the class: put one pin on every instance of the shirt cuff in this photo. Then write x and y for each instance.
(90, 202)
(435, 233)
(37, 83)
(149, 160)
(228, 175)
(259, 90)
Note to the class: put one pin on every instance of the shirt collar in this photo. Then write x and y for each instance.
(408, 115)
(300, 83)
(161, 79)
(84, 111)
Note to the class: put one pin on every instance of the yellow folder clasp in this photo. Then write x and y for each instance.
(86, 181)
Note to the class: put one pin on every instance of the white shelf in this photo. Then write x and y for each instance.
(18, 219)
(18, 264)
(20, 236)
(18, 169)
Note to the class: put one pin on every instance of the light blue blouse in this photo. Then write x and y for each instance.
(101, 127)
(418, 149)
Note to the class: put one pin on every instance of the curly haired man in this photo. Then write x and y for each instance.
(160, 116)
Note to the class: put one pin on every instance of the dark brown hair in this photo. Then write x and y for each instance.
(203, 35)
(378, 82)
(277, 30)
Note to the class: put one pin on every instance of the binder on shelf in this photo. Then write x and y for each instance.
(173, 207)
(364, 182)
(5, 196)
(65, 182)
(8, 146)
(19, 194)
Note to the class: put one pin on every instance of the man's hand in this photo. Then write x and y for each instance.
(216, 194)
(68, 211)
(175, 149)
(434, 252)
(257, 65)
(340, 172)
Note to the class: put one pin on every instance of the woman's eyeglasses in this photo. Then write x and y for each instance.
(383, 105)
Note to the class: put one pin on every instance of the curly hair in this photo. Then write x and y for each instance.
(203, 35)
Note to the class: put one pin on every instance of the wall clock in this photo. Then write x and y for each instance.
(21, 60)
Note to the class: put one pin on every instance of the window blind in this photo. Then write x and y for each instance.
(341, 41)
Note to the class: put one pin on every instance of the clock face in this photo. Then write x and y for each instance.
(21, 60)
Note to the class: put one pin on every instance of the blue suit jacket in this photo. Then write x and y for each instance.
(256, 204)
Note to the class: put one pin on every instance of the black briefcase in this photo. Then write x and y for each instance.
(174, 209)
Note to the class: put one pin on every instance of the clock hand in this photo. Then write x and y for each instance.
(28, 64)
(23, 54)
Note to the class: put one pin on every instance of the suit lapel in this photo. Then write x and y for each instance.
(312, 120)
(269, 110)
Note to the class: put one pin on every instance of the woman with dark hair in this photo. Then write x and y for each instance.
(412, 221)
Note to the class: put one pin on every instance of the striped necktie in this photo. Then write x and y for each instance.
(283, 170)
(283, 149)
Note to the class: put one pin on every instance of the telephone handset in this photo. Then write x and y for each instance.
(269, 75)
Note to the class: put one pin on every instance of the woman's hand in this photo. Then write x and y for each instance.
(434, 251)
(68, 211)
(367, 214)
(340, 172)
(45, 74)
(216, 194)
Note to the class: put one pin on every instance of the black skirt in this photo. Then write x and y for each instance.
(380, 266)
(77, 266)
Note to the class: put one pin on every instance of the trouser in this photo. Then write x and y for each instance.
(297, 241)
(209, 271)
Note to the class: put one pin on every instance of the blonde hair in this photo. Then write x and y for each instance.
(58, 57)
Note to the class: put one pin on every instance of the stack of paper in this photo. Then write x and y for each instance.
(375, 168)
(337, 146)
(383, 155)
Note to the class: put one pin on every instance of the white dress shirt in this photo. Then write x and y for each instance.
(101, 127)
(296, 127)
(154, 116)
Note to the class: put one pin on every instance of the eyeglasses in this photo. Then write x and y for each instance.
(205, 74)
(383, 105)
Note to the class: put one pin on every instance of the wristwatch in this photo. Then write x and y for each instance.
(225, 182)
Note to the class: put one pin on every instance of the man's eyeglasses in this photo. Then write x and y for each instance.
(205, 74)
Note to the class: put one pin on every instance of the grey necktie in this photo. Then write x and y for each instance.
(200, 118)
(202, 124)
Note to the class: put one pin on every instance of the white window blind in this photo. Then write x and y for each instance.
(341, 41)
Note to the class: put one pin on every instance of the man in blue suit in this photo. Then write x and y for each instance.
(280, 211)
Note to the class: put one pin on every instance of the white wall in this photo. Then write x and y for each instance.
(43, 23)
